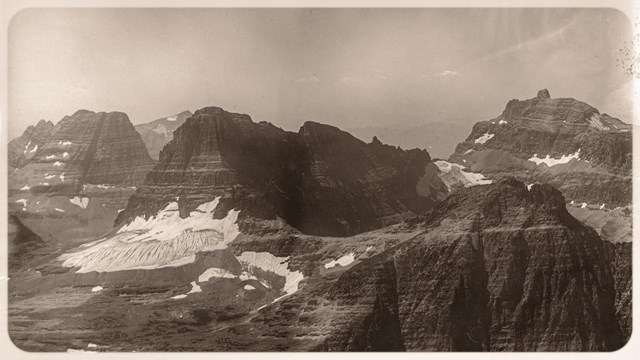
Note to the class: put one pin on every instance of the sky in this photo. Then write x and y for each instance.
(346, 67)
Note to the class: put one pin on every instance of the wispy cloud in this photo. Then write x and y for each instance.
(448, 73)
(309, 79)
(349, 80)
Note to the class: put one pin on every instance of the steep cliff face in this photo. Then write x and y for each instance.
(621, 266)
(563, 142)
(156, 134)
(24, 147)
(80, 176)
(320, 180)
(497, 268)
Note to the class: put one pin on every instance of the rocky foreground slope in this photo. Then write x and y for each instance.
(80, 174)
(320, 180)
(496, 267)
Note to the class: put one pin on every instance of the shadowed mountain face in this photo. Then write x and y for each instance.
(24, 245)
(156, 134)
(562, 142)
(320, 180)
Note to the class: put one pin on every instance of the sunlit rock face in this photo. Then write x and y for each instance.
(78, 174)
(320, 180)
(86, 148)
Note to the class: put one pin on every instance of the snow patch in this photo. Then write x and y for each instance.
(195, 288)
(48, 157)
(47, 176)
(35, 148)
(91, 345)
(249, 287)
(58, 163)
(584, 205)
(549, 161)
(82, 202)
(22, 201)
(215, 273)
(45, 184)
(100, 186)
(97, 288)
(172, 118)
(484, 138)
(178, 297)
(25, 187)
(26, 148)
(278, 265)
(529, 187)
(342, 261)
(163, 240)
(62, 177)
(468, 179)
(64, 143)
(502, 122)
(65, 154)
(369, 248)
(58, 210)
(468, 152)
(602, 206)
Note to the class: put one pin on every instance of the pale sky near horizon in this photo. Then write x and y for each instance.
(345, 67)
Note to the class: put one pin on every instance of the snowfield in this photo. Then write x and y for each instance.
(164, 240)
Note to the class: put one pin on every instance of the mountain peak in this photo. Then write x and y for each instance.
(544, 94)
(83, 111)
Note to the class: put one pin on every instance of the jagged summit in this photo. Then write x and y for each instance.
(23, 148)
